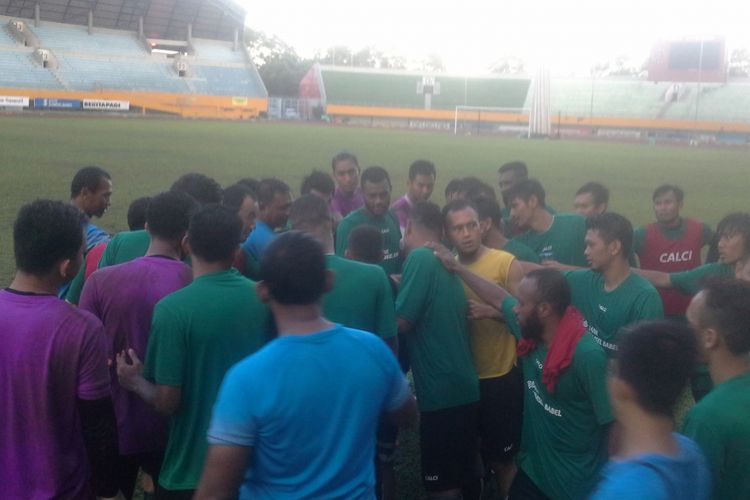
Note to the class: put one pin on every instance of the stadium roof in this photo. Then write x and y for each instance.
(166, 19)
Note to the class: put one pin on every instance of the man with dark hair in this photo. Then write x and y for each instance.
(566, 409)
(128, 245)
(609, 295)
(360, 297)
(490, 220)
(274, 201)
(197, 333)
(419, 187)
(455, 190)
(252, 184)
(320, 184)
(671, 244)
(123, 298)
(719, 423)
(493, 346)
(591, 199)
(473, 188)
(137, 213)
(204, 189)
(734, 250)
(376, 189)
(241, 200)
(59, 437)
(431, 311)
(91, 192)
(653, 363)
(558, 237)
(348, 195)
(510, 174)
(261, 444)
(365, 244)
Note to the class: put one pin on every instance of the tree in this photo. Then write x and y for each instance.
(279, 65)
(739, 62)
(507, 65)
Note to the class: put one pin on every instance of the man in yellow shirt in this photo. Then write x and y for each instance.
(493, 346)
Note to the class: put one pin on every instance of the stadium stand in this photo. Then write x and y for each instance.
(729, 102)
(611, 97)
(112, 58)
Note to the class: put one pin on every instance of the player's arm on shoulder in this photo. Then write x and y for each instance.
(515, 275)
(223, 472)
(165, 399)
(400, 406)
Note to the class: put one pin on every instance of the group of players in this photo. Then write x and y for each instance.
(276, 334)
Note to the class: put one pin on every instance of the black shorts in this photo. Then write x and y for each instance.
(448, 444)
(501, 416)
(386, 437)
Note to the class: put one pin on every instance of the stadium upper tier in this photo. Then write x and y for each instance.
(399, 89)
(118, 60)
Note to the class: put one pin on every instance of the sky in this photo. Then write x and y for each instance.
(469, 35)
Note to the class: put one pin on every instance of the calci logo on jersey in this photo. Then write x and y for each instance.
(669, 257)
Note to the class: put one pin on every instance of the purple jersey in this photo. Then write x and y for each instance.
(52, 354)
(123, 298)
(402, 208)
(343, 204)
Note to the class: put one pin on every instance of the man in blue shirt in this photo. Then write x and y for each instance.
(297, 419)
(91, 191)
(274, 203)
(652, 461)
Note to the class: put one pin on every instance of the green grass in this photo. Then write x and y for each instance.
(38, 157)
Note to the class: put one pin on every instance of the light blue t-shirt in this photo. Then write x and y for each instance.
(658, 477)
(308, 406)
(259, 239)
(94, 236)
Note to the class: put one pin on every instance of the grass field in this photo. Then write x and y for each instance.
(38, 157)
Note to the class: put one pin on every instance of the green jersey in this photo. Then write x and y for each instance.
(563, 241)
(564, 437)
(720, 424)
(635, 299)
(433, 301)
(690, 282)
(521, 251)
(387, 225)
(361, 297)
(124, 247)
(197, 333)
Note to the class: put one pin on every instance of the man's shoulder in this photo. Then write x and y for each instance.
(422, 255)
(568, 219)
(363, 269)
(588, 350)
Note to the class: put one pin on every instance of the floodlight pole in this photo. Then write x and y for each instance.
(698, 91)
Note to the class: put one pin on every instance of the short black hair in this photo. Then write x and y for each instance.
(309, 212)
(234, 196)
(526, 189)
(679, 194)
(726, 310)
(454, 186)
(427, 215)
(269, 188)
(46, 232)
(474, 187)
(656, 359)
(319, 181)
(366, 244)
(214, 233)
(344, 156)
(204, 189)
(455, 206)
(374, 175)
(517, 167)
(552, 288)
(488, 208)
(597, 190)
(89, 178)
(168, 214)
(422, 167)
(736, 223)
(137, 213)
(251, 183)
(612, 226)
(294, 269)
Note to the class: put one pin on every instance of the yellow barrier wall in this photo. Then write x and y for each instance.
(186, 105)
(522, 119)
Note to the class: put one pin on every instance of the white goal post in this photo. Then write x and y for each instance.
(475, 113)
